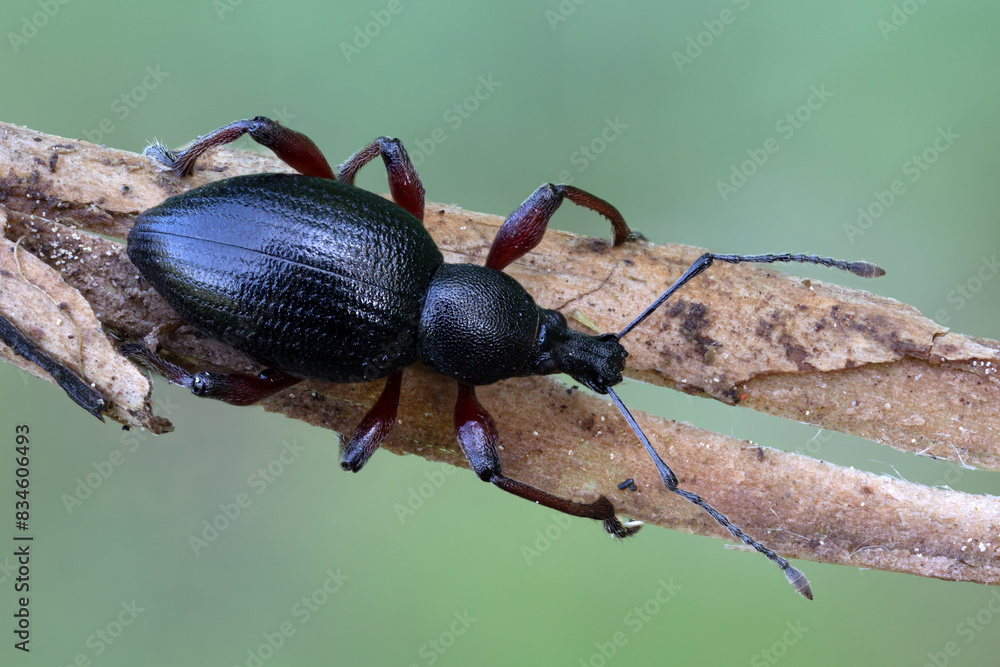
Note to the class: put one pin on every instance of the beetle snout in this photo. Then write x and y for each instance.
(596, 361)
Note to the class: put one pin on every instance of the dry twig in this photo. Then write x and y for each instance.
(838, 358)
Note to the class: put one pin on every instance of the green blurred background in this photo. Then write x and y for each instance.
(690, 88)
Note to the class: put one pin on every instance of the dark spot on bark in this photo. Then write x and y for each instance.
(880, 329)
(57, 150)
(764, 329)
(691, 328)
(907, 347)
(796, 353)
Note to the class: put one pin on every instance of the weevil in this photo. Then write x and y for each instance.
(317, 279)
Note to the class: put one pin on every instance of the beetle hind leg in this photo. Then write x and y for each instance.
(232, 388)
(294, 148)
(477, 435)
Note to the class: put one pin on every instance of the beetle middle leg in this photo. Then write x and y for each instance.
(523, 229)
(404, 183)
(374, 427)
(477, 435)
(294, 148)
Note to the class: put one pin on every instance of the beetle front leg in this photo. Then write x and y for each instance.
(477, 434)
(374, 427)
(232, 388)
(524, 228)
(293, 148)
(404, 183)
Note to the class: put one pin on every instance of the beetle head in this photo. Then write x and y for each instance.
(595, 361)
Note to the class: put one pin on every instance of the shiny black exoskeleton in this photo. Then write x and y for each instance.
(321, 280)
(317, 279)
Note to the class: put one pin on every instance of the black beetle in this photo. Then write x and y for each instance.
(317, 279)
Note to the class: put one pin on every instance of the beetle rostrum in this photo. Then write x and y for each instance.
(317, 279)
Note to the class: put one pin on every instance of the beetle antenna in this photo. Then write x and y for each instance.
(862, 269)
(795, 577)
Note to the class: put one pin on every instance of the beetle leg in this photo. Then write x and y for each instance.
(404, 183)
(524, 228)
(478, 436)
(294, 148)
(374, 427)
(232, 388)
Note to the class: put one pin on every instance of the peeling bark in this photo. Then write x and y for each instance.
(834, 357)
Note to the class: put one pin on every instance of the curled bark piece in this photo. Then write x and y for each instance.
(828, 355)
(74, 351)
(79, 391)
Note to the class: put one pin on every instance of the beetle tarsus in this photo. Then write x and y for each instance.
(620, 530)
(166, 157)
